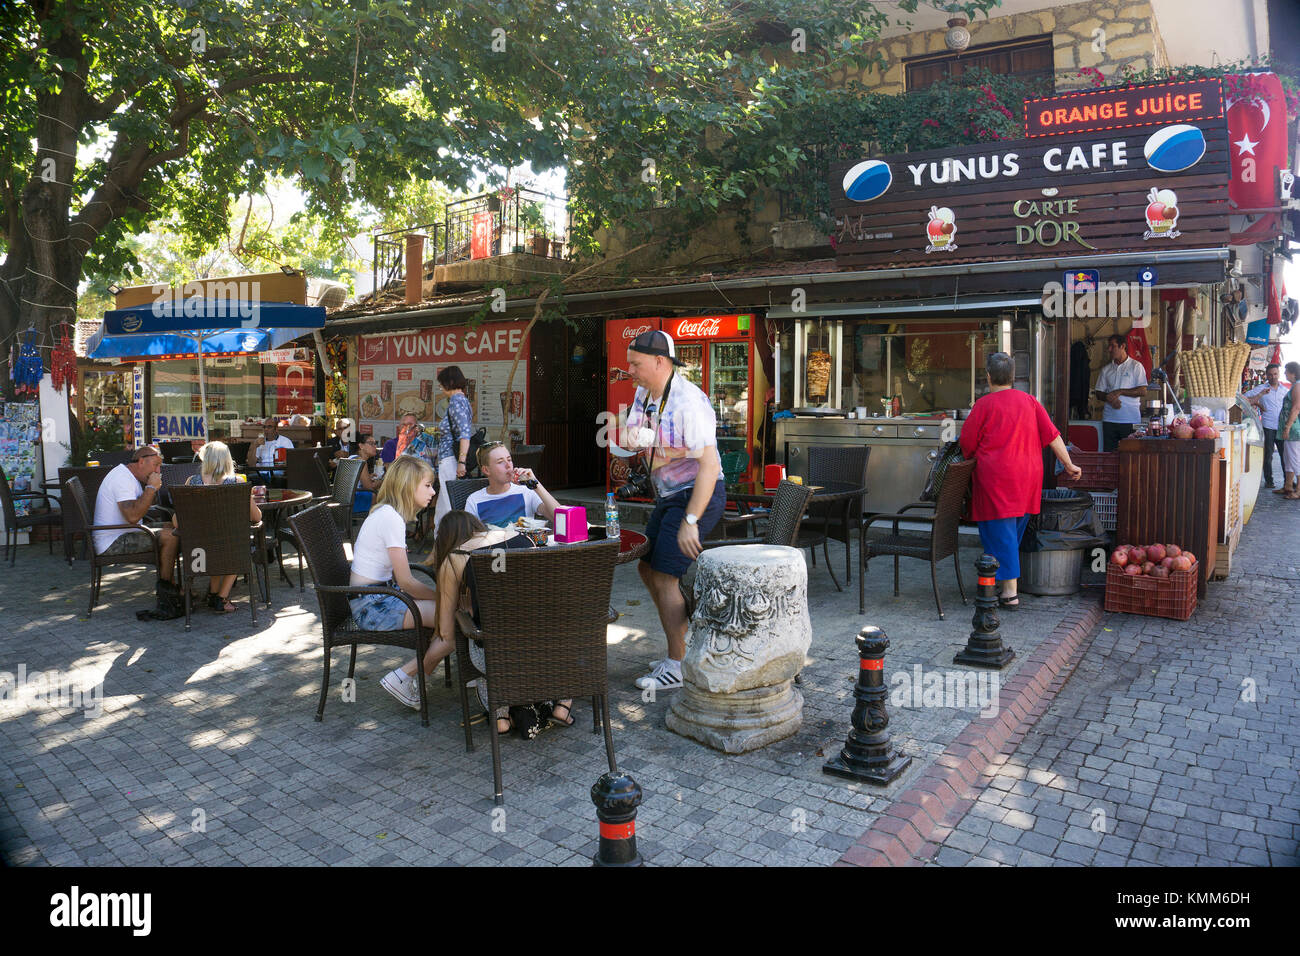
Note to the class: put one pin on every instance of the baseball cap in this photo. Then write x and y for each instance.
(656, 343)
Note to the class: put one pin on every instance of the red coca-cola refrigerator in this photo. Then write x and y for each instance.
(721, 357)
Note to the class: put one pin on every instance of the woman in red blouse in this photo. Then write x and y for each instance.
(1005, 434)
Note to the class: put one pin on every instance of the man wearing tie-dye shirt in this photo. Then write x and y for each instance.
(673, 427)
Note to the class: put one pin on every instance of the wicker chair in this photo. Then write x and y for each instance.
(843, 465)
(788, 507)
(176, 451)
(15, 522)
(98, 562)
(339, 504)
(91, 479)
(541, 621)
(303, 471)
(173, 476)
(461, 489)
(330, 572)
(934, 547)
(213, 521)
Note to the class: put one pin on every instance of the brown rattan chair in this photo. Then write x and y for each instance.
(839, 465)
(933, 547)
(214, 527)
(303, 471)
(15, 522)
(541, 622)
(322, 542)
(783, 522)
(176, 451)
(339, 503)
(461, 488)
(74, 491)
(91, 479)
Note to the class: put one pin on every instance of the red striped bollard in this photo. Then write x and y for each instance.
(616, 796)
(866, 754)
(984, 645)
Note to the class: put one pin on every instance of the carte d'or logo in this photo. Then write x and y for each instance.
(131, 322)
(941, 229)
(1161, 214)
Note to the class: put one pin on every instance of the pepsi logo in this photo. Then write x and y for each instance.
(1172, 149)
(867, 180)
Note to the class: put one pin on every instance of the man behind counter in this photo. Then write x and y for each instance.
(1121, 385)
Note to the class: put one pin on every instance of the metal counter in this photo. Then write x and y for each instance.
(902, 451)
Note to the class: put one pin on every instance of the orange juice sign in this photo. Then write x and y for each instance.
(1155, 104)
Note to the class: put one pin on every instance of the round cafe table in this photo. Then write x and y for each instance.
(277, 503)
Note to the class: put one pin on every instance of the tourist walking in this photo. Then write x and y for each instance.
(1289, 432)
(1268, 399)
(1005, 434)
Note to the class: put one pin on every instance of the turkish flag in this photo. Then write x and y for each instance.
(294, 386)
(1256, 138)
(1137, 348)
(480, 242)
(1276, 292)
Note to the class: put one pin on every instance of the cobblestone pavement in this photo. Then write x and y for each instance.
(1173, 743)
(206, 751)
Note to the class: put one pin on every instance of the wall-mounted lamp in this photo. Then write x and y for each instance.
(114, 289)
(958, 37)
(289, 270)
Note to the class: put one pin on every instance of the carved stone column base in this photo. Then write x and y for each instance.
(737, 721)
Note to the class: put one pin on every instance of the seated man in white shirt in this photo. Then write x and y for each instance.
(502, 502)
(261, 453)
(1121, 385)
(125, 496)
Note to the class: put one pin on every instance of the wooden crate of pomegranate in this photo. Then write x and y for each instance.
(1173, 596)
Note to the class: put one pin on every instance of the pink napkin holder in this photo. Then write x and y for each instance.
(570, 524)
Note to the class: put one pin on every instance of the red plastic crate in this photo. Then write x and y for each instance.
(1100, 471)
(1172, 597)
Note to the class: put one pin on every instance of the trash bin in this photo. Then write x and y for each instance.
(1057, 541)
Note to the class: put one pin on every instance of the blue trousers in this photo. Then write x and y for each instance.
(1001, 538)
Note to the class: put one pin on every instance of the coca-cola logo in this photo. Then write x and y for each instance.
(631, 333)
(698, 330)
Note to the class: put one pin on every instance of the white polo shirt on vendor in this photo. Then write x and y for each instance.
(266, 453)
(1128, 374)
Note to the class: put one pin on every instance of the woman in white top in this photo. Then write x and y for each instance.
(218, 468)
(379, 559)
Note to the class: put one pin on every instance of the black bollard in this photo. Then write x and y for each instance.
(984, 646)
(866, 754)
(616, 796)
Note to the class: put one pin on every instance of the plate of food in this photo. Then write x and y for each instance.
(530, 524)
(410, 403)
(372, 406)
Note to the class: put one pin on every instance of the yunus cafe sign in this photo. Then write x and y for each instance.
(1155, 187)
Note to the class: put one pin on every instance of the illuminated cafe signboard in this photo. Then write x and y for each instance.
(1160, 186)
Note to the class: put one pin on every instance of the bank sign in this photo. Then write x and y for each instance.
(179, 427)
(1154, 186)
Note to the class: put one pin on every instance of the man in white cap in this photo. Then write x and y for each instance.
(673, 426)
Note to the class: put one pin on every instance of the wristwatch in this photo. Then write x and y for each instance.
(691, 520)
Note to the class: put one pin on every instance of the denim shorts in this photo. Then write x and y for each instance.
(378, 612)
(665, 521)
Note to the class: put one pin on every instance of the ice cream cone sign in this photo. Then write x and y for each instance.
(941, 229)
(1161, 213)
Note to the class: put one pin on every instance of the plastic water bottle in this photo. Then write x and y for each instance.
(611, 517)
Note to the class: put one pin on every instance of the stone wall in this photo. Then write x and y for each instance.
(1130, 38)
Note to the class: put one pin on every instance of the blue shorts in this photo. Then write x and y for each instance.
(1001, 538)
(666, 520)
(378, 612)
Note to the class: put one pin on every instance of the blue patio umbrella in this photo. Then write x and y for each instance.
(174, 327)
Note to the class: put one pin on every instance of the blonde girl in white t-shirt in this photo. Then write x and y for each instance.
(379, 558)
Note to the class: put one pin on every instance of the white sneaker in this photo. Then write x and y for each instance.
(402, 686)
(661, 678)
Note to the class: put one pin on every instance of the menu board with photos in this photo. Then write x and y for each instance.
(397, 375)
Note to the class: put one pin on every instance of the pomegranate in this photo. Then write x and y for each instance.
(1137, 555)
(1191, 558)
(1173, 550)
(1200, 421)
(1181, 563)
(1147, 566)
(1182, 430)
(1206, 431)
(1132, 569)
(1119, 557)
(1167, 563)
(1155, 553)
(1159, 572)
